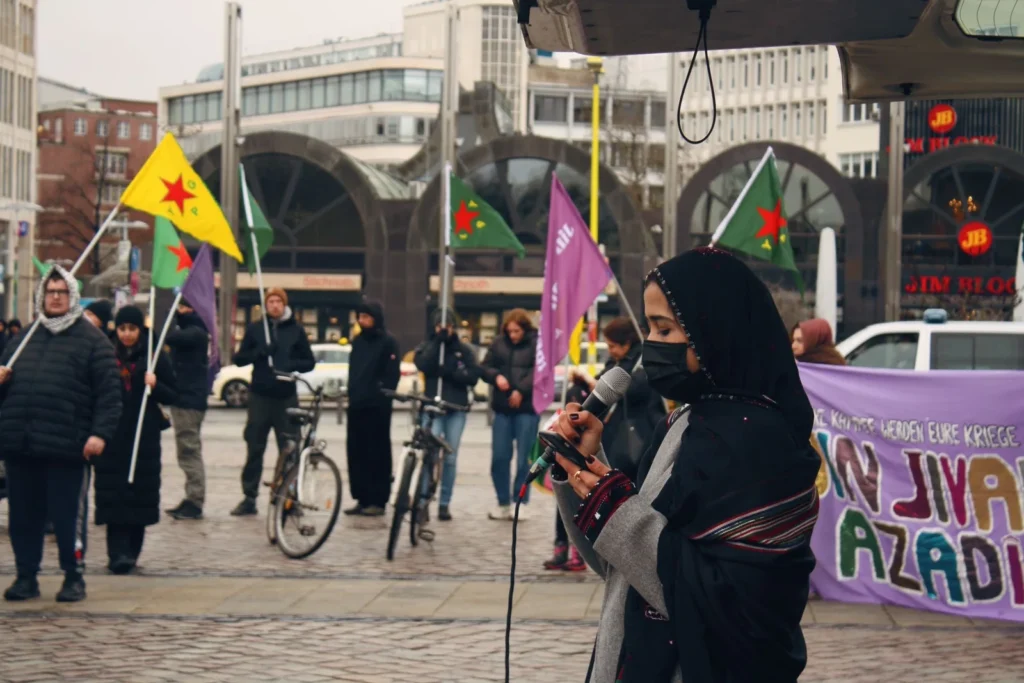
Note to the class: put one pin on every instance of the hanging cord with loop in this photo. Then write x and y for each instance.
(702, 35)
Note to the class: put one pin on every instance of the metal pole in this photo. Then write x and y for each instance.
(244, 188)
(670, 222)
(449, 109)
(229, 171)
(595, 65)
(892, 245)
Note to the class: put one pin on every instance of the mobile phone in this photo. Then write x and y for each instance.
(559, 444)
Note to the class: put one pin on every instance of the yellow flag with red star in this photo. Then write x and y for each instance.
(167, 186)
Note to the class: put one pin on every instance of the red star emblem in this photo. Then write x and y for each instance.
(184, 260)
(773, 221)
(177, 193)
(464, 219)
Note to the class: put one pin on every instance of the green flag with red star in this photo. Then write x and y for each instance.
(476, 225)
(756, 223)
(171, 261)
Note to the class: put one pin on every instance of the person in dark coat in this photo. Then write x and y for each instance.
(127, 509)
(3, 335)
(13, 328)
(101, 314)
(373, 365)
(269, 397)
(509, 367)
(59, 407)
(458, 376)
(189, 341)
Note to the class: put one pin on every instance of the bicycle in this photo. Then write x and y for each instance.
(296, 481)
(430, 449)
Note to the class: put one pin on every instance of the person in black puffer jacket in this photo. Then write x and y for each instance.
(59, 407)
(127, 509)
(459, 375)
(189, 342)
(269, 397)
(509, 367)
(373, 365)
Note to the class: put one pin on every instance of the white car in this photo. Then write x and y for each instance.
(935, 343)
(232, 382)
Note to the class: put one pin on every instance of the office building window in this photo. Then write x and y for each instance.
(812, 60)
(102, 128)
(755, 114)
(771, 68)
(811, 130)
(124, 130)
(550, 108)
(783, 121)
(745, 63)
(658, 114)
(797, 61)
(81, 127)
(797, 132)
(785, 67)
(769, 115)
(757, 70)
(583, 113)
(145, 131)
(862, 165)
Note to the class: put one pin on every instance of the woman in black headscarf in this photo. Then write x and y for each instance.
(707, 554)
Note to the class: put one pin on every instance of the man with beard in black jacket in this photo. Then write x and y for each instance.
(269, 397)
(373, 365)
(59, 407)
(190, 356)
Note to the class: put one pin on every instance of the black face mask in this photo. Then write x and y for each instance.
(665, 365)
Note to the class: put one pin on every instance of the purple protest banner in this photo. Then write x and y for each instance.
(575, 273)
(922, 503)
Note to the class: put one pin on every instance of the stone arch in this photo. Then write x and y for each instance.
(362, 185)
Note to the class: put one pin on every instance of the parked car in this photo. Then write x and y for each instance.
(935, 343)
(232, 382)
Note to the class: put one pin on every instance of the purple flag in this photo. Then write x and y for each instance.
(922, 489)
(200, 292)
(575, 273)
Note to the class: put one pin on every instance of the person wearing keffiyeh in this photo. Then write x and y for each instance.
(706, 554)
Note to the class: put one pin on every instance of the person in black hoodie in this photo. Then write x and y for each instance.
(373, 365)
(101, 314)
(269, 397)
(509, 367)
(189, 341)
(59, 408)
(459, 375)
(127, 509)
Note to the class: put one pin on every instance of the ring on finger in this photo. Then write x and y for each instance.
(578, 476)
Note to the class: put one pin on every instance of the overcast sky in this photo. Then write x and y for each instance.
(130, 48)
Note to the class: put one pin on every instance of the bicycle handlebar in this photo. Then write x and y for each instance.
(426, 400)
(296, 377)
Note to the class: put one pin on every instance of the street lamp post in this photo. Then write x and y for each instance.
(596, 66)
(10, 254)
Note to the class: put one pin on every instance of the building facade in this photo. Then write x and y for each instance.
(364, 96)
(17, 152)
(89, 150)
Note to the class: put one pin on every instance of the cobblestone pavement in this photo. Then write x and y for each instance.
(215, 602)
(470, 546)
(438, 651)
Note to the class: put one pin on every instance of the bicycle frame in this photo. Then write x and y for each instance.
(306, 443)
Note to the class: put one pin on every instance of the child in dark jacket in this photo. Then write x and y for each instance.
(127, 509)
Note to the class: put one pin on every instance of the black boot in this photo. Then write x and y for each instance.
(23, 588)
(444, 514)
(356, 510)
(122, 564)
(245, 508)
(73, 589)
(187, 510)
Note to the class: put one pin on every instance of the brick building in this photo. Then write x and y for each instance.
(90, 148)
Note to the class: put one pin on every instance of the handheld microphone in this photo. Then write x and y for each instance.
(609, 390)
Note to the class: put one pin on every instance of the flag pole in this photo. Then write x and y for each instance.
(629, 309)
(155, 351)
(74, 269)
(255, 258)
(445, 263)
(150, 362)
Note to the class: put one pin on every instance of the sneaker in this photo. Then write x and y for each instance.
(121, 565)
(575, 563)
(177, 508)
(443, 513)
(558, 558)
(245, 508)
(502, 512)
(23, 588)
(373, 511)
(356, 509)
(73, 589)
(187, 510)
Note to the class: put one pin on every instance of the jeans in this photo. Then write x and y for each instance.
(522, 429)
(450, 428)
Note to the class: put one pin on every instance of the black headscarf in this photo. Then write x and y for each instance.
(735, 557)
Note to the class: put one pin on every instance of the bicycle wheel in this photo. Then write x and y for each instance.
(272, 518)
(302, 527)
(401, 502)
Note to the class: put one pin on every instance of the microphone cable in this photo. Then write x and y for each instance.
(512, 586)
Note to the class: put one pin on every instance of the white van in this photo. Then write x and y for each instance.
(935, 343)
